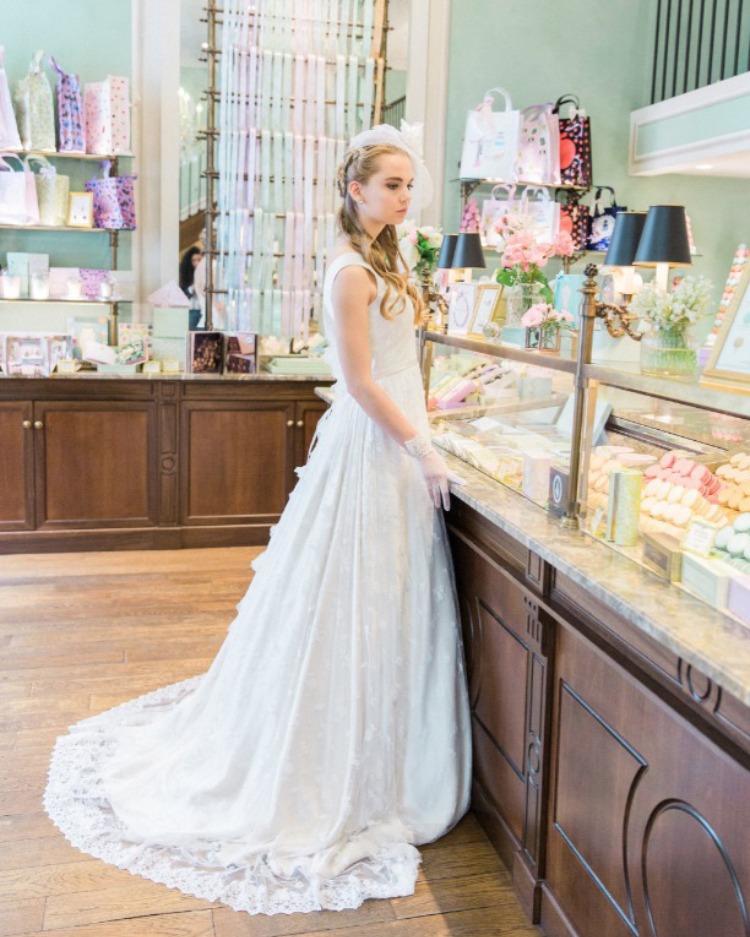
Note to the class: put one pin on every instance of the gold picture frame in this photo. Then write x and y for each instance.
(728, 366)
(81, 210)
(461, 302)
(488, 307)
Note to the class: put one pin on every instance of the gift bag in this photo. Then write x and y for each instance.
(539, 145)
(602, 222)
(34, 111)
(575, 144)
(502, 202)
(91, 281)
(544, 212)
(18, 200)
(107, 116)
(574, 220)
(52, 190)
(9, 138)
(69, 111)
(490, 144)
(114, 202)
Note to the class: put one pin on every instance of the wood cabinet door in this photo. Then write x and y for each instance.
(95, 464)
(16, 466)
(648, 816)
(307, 417)
(237, 461)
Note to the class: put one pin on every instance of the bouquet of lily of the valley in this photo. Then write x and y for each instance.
(523, 256)
(420, 248)
(688, 302)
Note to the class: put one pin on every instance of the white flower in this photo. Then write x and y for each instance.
(689, 302)
(409, 251)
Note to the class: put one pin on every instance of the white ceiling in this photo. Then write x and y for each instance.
(193, 33)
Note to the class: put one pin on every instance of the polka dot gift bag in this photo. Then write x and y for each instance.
(69, 111)
(575, 143)
(107, 116)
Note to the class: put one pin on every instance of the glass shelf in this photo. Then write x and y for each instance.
(74, 302)
(49, 227)
(512, 352)
(86, 156)
(541, 185)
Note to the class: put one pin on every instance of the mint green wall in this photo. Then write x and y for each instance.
(602, 52)
(93, 39)
(713, 120)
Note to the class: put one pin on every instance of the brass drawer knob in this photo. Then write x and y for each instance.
(300, 423)
(26, 424)
(290, 422)
(38, 424)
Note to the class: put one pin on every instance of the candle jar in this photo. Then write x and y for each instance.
(106, 289)
(74, 289)
(10, 286)
(39, 287)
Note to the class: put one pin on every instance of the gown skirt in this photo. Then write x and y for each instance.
(330, 736)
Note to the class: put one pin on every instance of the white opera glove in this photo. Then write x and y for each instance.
(434, 470)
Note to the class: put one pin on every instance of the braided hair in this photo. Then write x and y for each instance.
(383, 254)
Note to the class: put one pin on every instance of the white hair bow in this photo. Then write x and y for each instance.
(408, 139)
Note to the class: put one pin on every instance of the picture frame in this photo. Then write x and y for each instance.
(240, 352)
(80, 210)
(205, 352)
(488, 307)
(728, 366)
(461, 303)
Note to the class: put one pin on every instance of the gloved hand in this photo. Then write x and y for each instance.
(434, 470)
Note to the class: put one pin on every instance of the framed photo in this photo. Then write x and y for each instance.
(461, 307)
(205, 352)
(81, 210)
(488, 306)
(568, 295)
(240, 352)
(729, 364)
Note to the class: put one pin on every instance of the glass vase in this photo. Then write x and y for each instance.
(669, 352)
(520, 299)
(546, 341)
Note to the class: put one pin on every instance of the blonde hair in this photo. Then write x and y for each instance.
(383, 254)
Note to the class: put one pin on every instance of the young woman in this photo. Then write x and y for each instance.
(331, 734)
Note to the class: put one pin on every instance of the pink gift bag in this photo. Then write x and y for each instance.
(69, 111)
(107, 116)
(114, 200)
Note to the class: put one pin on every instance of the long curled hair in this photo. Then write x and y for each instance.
(383, 254)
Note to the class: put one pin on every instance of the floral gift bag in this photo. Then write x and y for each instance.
(52, 191)
(502, 201)
(9, 138)
(114, 201)
(107, 116)
(539, 146)
(69, 111)
(34, 110)
(490, 146)
(575, 143)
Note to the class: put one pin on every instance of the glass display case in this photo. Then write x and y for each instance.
(657, 469)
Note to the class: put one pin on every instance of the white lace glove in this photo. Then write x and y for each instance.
(434, 470)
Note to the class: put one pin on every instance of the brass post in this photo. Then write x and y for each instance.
(588, 317)
(211, 55)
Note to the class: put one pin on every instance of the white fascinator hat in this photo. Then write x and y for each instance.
(408, 139)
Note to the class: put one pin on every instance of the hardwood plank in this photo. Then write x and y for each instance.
(69, 878)
(459, 894)
(26, 826)
(21, 917)
(229, 923)
(36, 853)
(131, 899)
(184, 924)
(462, 859)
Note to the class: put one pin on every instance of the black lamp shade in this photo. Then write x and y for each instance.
(468, 252)
(625, 238)
(665, 238)
(447, 249)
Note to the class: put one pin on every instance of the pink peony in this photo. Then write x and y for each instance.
(535, 316)
(563, 245)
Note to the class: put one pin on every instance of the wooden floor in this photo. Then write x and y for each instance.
(82, 632)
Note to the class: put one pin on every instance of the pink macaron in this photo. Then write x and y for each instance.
(667, 460)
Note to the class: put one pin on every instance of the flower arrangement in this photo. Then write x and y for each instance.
(684, 306)
(523, 256)
(420, 248)
(544, 316)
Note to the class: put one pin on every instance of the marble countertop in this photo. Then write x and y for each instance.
(163, 376)
(715, 643)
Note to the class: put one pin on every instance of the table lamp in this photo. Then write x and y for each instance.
(664, 242)
(468, 254)
(447, 250)
(622, 250)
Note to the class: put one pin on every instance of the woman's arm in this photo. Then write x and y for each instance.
(353, 291)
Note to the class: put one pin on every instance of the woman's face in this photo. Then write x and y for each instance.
(384, 199)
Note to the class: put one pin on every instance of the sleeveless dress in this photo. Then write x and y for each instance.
(331, 734)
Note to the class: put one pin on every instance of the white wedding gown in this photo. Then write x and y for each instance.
(331, 734)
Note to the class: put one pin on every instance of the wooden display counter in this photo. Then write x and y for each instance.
(611, 728)
(105, 462)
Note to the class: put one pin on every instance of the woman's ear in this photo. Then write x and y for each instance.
(355, 190)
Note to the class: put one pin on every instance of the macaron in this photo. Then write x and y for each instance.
(689, 498)
(738, 543)
(675, 495)
(735, 499)
(651, 472)
(682, 515)
(683, 466)
(723, 537)
(646, 505)
(700, 472)
(742, 523)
